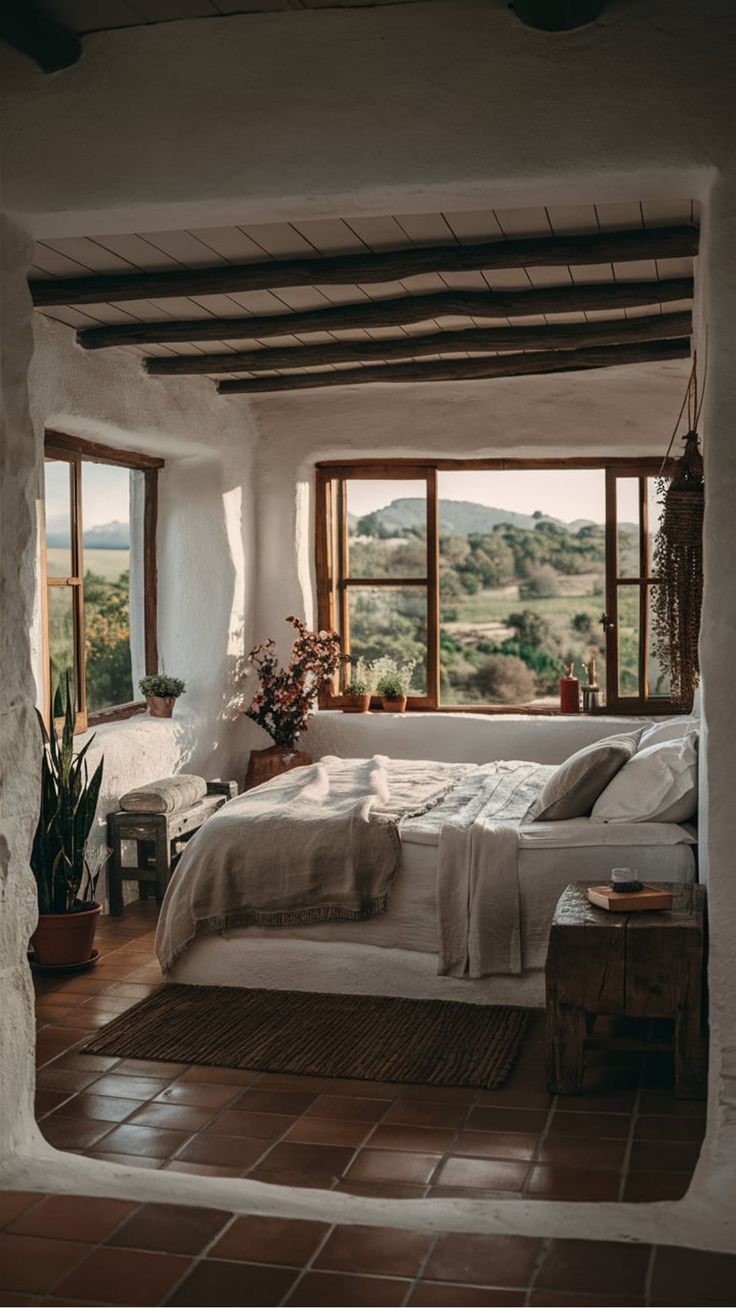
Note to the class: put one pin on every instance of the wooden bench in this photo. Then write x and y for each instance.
(639, 965)
(160, 839)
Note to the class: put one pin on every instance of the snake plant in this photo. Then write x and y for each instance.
(68, 804)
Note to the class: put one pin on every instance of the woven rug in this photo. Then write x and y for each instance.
(362, 1037)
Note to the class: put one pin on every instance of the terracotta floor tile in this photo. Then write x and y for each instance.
(218, 1075)
(669, 1126)
(304, 1180)
(74, 1217)
(663, 1156)
(365, 1089)
(86, 1062)
(293, 1156)
(270, 1240)
(590, 1126)
(126, 1160)
(603, 1267)
(502, 1260)
(509, 1096)
(382, 1189)
(47, 1100)
(230, 1150)
(691, 1275)
(483, 1173)
(32, 1265)
(416, 1112)
(383, 1251)
(654, 1103)
(524, 1120)
(426, 1139)
(99, 1108)
(289, 1103)
(65, 1078)
(149, 1067)
(440, 1094)
(582, 1299)
(569, 1151)
(605, 1101)
(173, 1117)
(149, 1142)
(123, 1276)
(495, 1144)
(129, 1087)
(15, 1202)
(393, 1165)
(197, 1095)
(650, 1187)
(324, 1289)
(242, 1285)
(170, 1228)
(259, 1126)
(438, 1294)
(329, 1131)
(202, 1169)
(292, 1081)
(557, 1182)
(73, 1132)
(348, 1108)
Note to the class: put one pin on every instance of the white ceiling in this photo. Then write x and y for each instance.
(316, 239)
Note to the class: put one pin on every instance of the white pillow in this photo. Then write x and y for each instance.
(659, 784)
(667, 729)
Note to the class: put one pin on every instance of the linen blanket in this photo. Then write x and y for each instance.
(316, 844)
(478, 900)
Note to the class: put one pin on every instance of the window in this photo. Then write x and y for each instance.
(99, 619)
(492, 576)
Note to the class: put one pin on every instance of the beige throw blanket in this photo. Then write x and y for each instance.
(478, 902)
(169, 795)
(315, 844)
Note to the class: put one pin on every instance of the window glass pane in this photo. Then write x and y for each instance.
(57, 496)
(627, 526)
(628, 640)
(387, 528)
(106, 536)
(522, 583)
(61, 645)
(388, 621)
(658, 681)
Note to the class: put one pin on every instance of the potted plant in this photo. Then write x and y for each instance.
(393, 683)
(359, 688)
(161, 693)
(285, 698)
(66, 877)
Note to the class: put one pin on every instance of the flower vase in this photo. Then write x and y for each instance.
(264, 764)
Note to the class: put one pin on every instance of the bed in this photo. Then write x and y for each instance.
(400, 951)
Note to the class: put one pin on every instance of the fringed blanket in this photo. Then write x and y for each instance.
(478, 902)
(315, 844)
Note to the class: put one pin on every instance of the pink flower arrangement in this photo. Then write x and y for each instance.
(286, 696)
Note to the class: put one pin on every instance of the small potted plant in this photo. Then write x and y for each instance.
(359, 689)
(161, 693)
(393, 684)
(66, 875)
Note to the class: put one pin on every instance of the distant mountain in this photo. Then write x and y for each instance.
(457, 518)
(107, 536)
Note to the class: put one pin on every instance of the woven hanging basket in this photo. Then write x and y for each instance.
(678, 564)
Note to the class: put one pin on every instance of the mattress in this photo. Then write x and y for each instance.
(551, 855)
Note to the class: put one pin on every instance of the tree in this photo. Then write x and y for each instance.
(107, 641)
(531, 628)
(541, 582)
(582, 623)
(504, 679)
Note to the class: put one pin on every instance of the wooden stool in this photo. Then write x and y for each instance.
(160, 839)
(642, 965)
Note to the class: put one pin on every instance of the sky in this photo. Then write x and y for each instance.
(567, 494)
(105, 493)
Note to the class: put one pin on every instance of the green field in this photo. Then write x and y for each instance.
(108, 564)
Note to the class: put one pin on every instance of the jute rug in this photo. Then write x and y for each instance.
(362, 1037)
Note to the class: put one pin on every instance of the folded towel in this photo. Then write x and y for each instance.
(170, 795)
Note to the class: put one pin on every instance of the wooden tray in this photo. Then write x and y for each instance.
(632, 901)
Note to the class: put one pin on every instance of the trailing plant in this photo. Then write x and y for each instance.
(677, 601)
(162, 685)
(286, 696)
(393, 679)
(68, 803)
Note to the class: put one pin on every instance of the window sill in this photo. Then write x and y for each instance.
(117, 714)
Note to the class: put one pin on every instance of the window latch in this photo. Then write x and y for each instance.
(606, 622)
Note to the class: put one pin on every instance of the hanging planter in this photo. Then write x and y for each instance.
(678, 565)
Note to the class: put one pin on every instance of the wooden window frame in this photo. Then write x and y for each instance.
(75, 451)
(333, 585)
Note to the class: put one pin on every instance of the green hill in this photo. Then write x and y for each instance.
(457, 518)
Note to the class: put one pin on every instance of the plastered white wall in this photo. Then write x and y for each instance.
(410, 109)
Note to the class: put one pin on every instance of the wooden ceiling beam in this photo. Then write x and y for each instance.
(394, 313)
(47, 42)
(566, 336)
(358, 269)
(466, 369)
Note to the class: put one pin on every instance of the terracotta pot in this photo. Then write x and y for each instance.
(63, 939)
(161, 706)
(357, 703)
(394, 705)
(264, 764)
